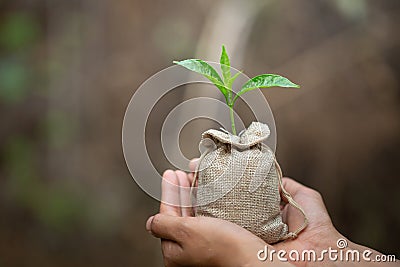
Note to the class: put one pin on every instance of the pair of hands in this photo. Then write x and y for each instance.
(204, 241)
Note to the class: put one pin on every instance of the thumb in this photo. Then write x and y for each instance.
(291, 186)
(167, 227)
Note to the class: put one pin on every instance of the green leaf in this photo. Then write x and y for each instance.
(225, 66)
(232, 79)
(203, 68)
(265, 81)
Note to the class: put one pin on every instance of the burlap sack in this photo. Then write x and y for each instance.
(239, 179)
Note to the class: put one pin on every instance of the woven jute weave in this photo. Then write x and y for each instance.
(238, 179)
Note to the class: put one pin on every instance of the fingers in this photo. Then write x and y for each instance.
(310, 200)
(167, 227)
(148, 224)
(161, 226)
(193, 164)
(185, 200)
(298, 191)
(296, 188)
(170, 200)
(190, 177)
(172, 252)
(291, 186)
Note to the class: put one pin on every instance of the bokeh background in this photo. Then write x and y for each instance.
(68, 69)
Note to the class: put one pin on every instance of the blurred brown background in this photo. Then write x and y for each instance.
(68, 69)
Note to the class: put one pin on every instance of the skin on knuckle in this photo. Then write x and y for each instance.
(179, 172)
(313, 193)
(287, 179)
(170, 177)
(182, 177)
(166, 249)
(171, 253)
(167, 172)
(317, 194)
(157, 219)
(155, 224)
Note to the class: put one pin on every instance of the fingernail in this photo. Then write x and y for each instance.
(168, 172)
(148, 224)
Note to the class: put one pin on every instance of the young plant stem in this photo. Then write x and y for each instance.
(232, 119)
(225, 83)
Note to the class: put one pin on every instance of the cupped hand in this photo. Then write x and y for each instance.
(204, 241)
(197, 241)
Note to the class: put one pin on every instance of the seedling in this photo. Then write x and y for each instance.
(225, 83)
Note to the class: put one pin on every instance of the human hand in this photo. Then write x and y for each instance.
(197, 241)
(204, 241)
(320, 233)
